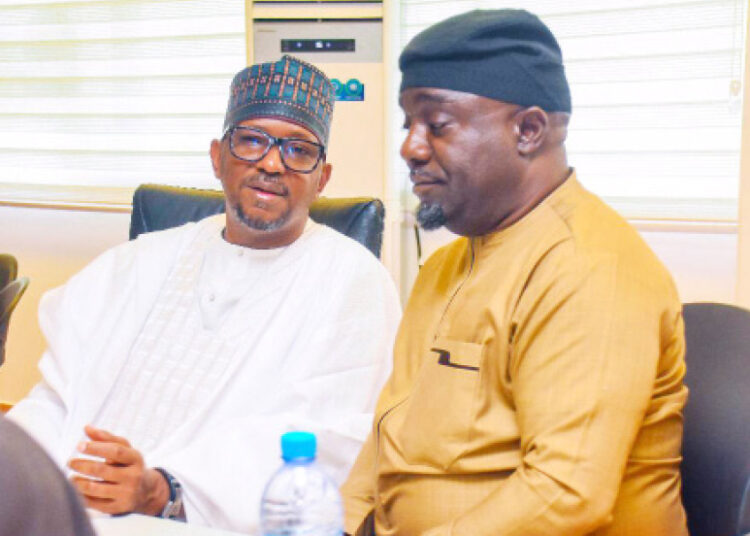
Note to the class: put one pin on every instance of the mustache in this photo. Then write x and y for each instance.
(267, 181)
(416, 174)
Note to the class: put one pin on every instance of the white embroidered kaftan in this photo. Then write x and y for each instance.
(202, 353)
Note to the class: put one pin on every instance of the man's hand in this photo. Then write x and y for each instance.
(119, 483)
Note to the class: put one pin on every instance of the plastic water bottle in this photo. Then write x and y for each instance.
(300, 499)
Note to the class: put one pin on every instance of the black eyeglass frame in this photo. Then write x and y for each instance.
(275, 142)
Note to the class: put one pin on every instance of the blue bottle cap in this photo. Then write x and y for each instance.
(296, 445)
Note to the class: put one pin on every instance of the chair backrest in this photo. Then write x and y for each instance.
(157, 207)
(716, 442)
(8, 269)
(10, 295)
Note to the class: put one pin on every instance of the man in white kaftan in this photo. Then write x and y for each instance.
(192, 350)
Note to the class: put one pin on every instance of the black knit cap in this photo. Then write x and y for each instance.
(504, 54)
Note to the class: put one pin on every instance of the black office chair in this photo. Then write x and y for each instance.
(9, 298)
(716, 443)
(157, 207)
(8, 269)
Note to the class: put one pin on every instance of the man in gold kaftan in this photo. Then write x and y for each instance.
(537, 383)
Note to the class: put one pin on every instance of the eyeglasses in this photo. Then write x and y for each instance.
(252, 145)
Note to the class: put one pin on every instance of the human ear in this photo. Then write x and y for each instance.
(325, 176)
(531, 128)
(216, 158)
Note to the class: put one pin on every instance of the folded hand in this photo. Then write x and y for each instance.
(119, 482)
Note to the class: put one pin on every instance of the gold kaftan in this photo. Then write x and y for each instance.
(537, 387)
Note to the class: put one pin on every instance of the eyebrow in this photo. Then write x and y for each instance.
(300, 134)
(296, 131)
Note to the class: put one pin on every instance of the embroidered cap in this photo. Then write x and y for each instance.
(289, 89)
(503, 54)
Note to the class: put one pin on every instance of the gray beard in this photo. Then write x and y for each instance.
(430, 216)
(258, 224)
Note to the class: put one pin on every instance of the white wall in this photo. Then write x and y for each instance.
(704, 265)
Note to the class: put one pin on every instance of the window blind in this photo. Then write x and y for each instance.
(656, 120)
(115, 93)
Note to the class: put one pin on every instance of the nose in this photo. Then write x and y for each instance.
(415, 150)
(271, 163)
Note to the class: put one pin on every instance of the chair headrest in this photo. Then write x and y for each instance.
(8, 269)
(157, 207)
(10, 295)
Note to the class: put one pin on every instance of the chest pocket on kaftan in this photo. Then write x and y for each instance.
(443, 404)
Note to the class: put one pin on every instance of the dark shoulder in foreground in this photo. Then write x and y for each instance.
(37, 499)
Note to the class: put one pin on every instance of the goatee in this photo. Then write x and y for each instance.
(430, 216)
(257, 223)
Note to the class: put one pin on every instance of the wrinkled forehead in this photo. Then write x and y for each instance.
(414, 99)
(416, 95)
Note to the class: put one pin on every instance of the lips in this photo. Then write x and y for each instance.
(268, 189)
